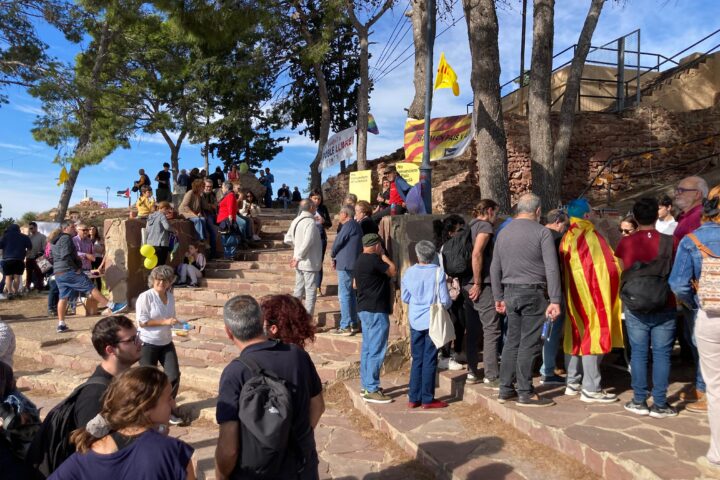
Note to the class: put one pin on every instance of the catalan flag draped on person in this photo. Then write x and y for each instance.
(591, 283)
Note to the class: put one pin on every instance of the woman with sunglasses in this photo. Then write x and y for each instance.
(251, 210)
(628, 226)
(155, 315)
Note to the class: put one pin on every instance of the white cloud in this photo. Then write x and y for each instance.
(31, 109)
(12, 146)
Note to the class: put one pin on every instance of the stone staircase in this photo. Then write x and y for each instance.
(62, 362)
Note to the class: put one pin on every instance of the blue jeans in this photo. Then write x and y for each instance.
(346, 295)
(53, 294)
(199, 223)
(689, 317)
(245, 226)
(375, 329)
(656, 330)
(424, 364)
(550, 347)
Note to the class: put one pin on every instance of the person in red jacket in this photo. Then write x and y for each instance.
(231, 226)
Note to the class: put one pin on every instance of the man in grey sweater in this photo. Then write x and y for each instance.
(525, 280)
(70, 277)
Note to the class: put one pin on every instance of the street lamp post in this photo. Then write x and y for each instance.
(107, 197)
(425, 167)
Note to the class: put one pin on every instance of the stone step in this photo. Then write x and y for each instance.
(273, 256)
(327, 314)
(281, 274)
(227, 265)
(258, 288)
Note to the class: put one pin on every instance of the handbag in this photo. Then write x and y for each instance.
(43, 264)
(441, 329)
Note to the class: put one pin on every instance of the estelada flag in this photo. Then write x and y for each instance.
(63, 176)
(449, 137)
(446, 76)
(591, 283)
(372, 125)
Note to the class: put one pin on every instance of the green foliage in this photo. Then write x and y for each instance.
(28, 217)
(23, 57)
(4, 223)
(341, 67)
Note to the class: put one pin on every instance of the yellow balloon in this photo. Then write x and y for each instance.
(243, 167)
(147, 251)
(150, 262)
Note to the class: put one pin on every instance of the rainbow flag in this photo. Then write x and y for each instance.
(591, 283)
(372, 125)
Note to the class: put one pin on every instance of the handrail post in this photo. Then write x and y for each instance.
(621, 74)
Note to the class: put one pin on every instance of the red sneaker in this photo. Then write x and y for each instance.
(435, 404)
(413, 404)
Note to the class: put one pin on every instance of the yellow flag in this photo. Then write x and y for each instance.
(446, 76)
(63, 176)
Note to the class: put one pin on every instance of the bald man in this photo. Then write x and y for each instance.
(689, 195)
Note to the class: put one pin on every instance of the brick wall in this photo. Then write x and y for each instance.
(595, 137)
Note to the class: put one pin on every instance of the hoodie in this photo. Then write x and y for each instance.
(14, 244)
(64, 255)
(157, 230)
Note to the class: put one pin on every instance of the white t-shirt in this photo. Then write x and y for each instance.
(149, 306)
(666, 226)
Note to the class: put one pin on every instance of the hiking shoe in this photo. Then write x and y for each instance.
(597, 397)
(700, 406)
(119, 308)
(435, 404)
(175, 420)
(413, 404)
(453, 365)
(492, 384)
(505, 397)
(663, 411)
(342, 332)
(692, 394)
(572, 389)
(472, 379)
(62, 328)
(552, 380)
(376, 397)
(534, 401)
(637, 408)
(355, 329)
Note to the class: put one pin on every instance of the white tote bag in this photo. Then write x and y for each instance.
(441, 331)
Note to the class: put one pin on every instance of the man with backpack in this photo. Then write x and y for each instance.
(269, 403)
(116, 340)
(649, 306)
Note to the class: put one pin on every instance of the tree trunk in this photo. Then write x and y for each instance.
(363, 101)
(87, 109)
(315, 176)
(572, 88)
(419, 22)
(175, 152)
(541, 143)
(490, 139)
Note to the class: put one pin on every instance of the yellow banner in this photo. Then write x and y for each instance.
(409, 171)
(449, 137)
(361, 184)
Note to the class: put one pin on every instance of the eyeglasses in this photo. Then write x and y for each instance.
(134, 339)
(680, 190)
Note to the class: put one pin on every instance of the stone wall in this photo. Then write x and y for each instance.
(596, 136)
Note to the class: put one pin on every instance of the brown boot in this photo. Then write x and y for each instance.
(698, 406)
(690, 395)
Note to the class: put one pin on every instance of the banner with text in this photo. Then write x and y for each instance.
(361, 184)
(339, 147)
(409, 171)
(449, 137)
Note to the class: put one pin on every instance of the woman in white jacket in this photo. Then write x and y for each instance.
(307, 253)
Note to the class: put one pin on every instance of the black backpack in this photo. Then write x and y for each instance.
(266, 421)
(644, 287)
(51, 446)
(457, 253)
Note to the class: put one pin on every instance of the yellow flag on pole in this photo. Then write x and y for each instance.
(446, 76)
(63, 176)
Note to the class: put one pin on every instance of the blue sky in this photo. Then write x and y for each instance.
(667, 26)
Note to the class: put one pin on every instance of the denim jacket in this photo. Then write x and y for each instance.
(688, 262)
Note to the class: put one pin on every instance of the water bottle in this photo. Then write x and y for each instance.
(187, 327)
(546, 329)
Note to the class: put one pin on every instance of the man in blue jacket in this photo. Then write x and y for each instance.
(346, 248)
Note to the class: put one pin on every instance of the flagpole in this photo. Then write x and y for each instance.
(425, 167)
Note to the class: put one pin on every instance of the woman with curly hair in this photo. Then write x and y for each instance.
(128, 438)
(285, 319)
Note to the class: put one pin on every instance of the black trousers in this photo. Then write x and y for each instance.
(151, 355)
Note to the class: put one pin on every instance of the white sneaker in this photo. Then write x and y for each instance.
(175, 420)
(453, 365)
(597, 397)
(256, 238)
(443, 363)
(572, 389)
(2, 297)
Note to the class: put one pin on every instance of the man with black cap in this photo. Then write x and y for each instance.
(373, 271)
(399, 189)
